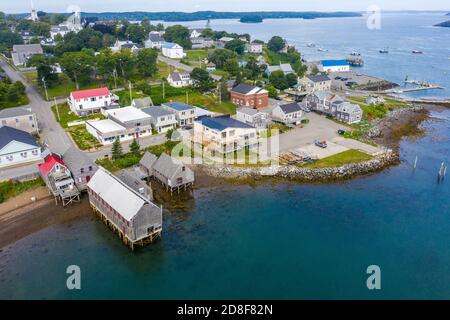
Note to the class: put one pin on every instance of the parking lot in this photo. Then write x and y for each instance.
(352, 76)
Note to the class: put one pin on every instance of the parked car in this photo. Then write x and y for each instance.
(338, 78)
(342, 132)
(305, 109)
(321, 144)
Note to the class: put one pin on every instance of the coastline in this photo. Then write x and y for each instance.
(30, 218)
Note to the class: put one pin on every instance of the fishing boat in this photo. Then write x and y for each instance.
(417, 52)
(311, 45)
(322, 50)
(384, 51)
(355, 54)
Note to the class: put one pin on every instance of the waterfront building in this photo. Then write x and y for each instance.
(224, 134)
(19, 118)
(349, 113)
(285, 67)
(172, 173)
(315, 83)
(162, 120)
(85, 102)
(334, 66)
(136, 219)
(146, 165)
(184, 113)
(245, 95)
(17, 147)
(81, 167)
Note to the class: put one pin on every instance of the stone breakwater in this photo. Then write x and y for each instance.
(294, 173)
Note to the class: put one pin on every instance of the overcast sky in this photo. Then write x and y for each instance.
(15, 6)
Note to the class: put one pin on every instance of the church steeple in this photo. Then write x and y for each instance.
(34, 16)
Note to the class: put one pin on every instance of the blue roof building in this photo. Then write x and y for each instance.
(184, 113)
(334, 66)
(223, 123)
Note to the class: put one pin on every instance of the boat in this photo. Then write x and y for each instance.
(311, 45)
(355, 54)
(417, 52)
(355, 61)
(322, 50)
(384, 51)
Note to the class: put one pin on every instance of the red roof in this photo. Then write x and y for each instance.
(91, 93)
(49, 163)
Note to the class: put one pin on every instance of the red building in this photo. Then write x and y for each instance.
(245, 95)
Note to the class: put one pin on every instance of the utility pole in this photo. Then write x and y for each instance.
(131, 96)
(45, 88)
(220, 92)
(187, 96)
(115, 77)
(164, 89)
(57, 110)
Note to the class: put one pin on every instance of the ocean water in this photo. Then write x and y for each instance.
(283, 241)
(400, 33)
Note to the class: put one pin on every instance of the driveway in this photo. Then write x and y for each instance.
(178, 65)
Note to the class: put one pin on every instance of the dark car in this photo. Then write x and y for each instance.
(338, 78)
(342, 132)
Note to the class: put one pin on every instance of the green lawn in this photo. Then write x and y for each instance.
(194, 57)
(128, 160)
(163, 71)
(23, 100)
(66, 116)
(124, 97)
(209, 102)
(9, 189)
(377, 111)
(340, 159)
(83, 139)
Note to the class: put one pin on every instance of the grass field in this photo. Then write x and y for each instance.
(209, 102)
(377, 111)
(124, 97)
(340, 159)
(66, 116)
(9, 189)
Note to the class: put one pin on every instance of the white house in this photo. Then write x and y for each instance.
(173, 51)
(317, 82)
(255, 47)
(162, 120)
(253, 117)
(196, 33)
(177, 79)
(61, 30)
(84, 102)
(288, 114)
(334, 66)
(185, 114)
(224, 134)
(20, 118)
(107, 131)
(136, 122)
(155, 40)
(17, 147)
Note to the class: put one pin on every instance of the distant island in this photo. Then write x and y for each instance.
(214, 15)
(445, 24)
(251, 19)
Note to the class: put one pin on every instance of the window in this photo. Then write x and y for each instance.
(224, 134)
(90, 168)
(183, 169)
(82, 170)
(17, 120)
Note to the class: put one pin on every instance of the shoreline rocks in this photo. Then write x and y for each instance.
(295, 173)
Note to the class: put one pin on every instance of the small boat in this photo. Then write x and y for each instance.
(322, 50)
(311, 45)
(355, 54)
(417, 52)
(384, 51)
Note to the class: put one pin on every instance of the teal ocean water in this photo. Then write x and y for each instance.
(283, 241)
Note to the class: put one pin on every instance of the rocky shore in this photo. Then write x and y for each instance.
(295, 173)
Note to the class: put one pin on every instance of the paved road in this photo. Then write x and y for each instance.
(182, 66)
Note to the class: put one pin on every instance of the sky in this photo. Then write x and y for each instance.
(21, 6)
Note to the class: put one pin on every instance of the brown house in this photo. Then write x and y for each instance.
(245, 95)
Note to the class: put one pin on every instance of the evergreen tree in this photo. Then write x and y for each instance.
(116, 151)
(135, 148)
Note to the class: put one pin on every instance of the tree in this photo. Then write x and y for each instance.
(44, 67)
(252, 70)
(8, 39)
(41, 29)
(301, 70)
(314, 70)
(236, 45)
(273, 93)
(78, 66)
(220, 56)
(231, 66)
(238, 79)
(116, 150)
(180, 35)
(278, 80)
(135, 33)
(291, 79)
(276, 44)
(202, 80)
(135, 148)
(146, 62)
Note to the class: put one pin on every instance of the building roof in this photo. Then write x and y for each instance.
(27, 48)
(334, 63)
(170, 45)
(155, 37)
(224, 122)
(105, 126)
(148, 160)
(167, 166)
(247, 89)
(8, 134)
(327, 95)
(156, 112)
(290, 108)
(178, 106)
(348, 107)
(15, 112)
(90, 93)
(248, 111)
(143, 102)
(226, 39)
(176, 76)
(49, 163)
(117, 194)
(74, 158)
(285, 67)
(128, 114)
(319, 78)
